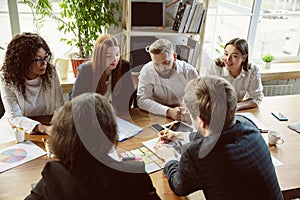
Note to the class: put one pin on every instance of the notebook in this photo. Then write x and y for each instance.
(126, 129)
(152, 162)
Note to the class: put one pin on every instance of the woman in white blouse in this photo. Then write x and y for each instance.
(29, 83)
(245, 77)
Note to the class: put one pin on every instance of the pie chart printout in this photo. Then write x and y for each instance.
(13, 155)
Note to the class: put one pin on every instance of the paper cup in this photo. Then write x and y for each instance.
(20, 135)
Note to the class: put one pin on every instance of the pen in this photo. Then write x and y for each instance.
(165, 133)
(169, 128)
(131, 158)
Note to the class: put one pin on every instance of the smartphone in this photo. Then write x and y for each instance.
(157, 127)
(279, 116)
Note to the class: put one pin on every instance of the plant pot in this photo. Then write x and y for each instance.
(267, 65)
(75, 63)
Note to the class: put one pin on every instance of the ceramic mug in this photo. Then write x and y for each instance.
(275, 138)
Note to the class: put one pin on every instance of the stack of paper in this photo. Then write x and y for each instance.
(126, 129)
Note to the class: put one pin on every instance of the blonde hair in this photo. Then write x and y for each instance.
(103, 42)
(204, 95)
(161, 46)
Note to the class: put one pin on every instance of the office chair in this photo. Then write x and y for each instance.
(133, 100)
(2, 111)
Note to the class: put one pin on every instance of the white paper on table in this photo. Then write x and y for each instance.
(19, 154)
(151, 143)
(275, 161)
(127, 129)
(259, 125)
(6, 132)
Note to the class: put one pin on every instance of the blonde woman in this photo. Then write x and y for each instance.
(107, 74)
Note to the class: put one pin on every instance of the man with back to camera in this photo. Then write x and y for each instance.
(227, 158)
(162, 81)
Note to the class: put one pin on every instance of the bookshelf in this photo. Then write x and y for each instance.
(147, 34)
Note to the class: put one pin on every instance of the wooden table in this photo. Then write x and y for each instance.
(16, 183)
(67, 84)
(289, 152)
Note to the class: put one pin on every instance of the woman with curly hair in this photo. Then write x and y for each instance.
(83, 135)
(107, 74)
(29, 83)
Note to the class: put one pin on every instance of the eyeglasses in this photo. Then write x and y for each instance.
(42, 61)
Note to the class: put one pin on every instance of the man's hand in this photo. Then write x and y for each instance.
(165, 153)
(174, 113)
(166, 138)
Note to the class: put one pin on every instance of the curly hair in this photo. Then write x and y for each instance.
(20, 55)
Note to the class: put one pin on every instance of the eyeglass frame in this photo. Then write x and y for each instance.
(41, 61)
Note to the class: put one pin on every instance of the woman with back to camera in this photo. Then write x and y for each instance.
(107, 74)
(29, 83)
(244, 76)
(83, 134)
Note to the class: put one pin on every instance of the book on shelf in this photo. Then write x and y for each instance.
(201, 22)
(197, 15)
(189, 20)
(196, 50)
(184, 18)
(179, 15)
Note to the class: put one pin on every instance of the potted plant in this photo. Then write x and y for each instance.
(85, 19)
(267, 58)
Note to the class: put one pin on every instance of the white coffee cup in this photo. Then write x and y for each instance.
(275, 138)
(19, 134)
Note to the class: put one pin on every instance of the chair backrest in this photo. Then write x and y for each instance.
(1, 107)
(133, 101)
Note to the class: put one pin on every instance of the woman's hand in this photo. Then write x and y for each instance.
(43, 129)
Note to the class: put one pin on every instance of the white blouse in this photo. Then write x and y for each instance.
(247, 84)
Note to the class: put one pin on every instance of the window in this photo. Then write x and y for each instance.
(5, 35)
(48, 30)
(269, 26)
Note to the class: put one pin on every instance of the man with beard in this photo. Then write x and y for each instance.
(162, 81)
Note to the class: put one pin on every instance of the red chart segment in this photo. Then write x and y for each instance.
(13, 155)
